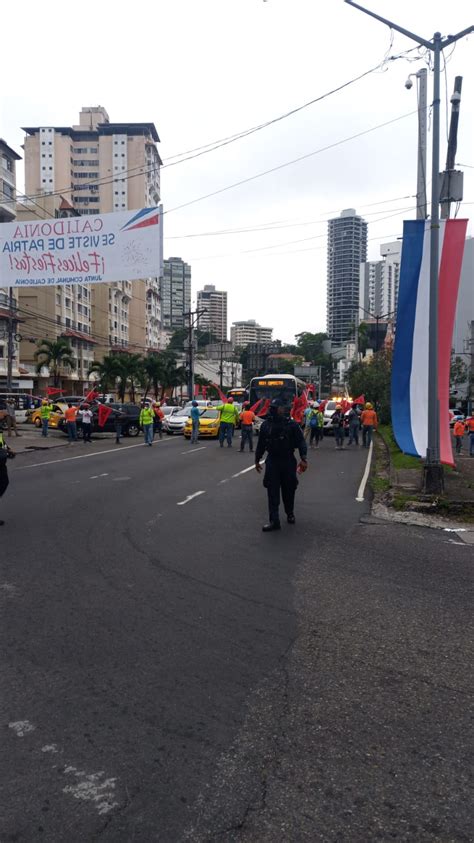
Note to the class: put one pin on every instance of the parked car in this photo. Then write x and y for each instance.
(130, 424)
(169, 411)
(34, 416)
(176, 422)
(209, 424)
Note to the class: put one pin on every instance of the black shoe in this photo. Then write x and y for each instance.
(2, 523)
(291, 519)
(273, 525)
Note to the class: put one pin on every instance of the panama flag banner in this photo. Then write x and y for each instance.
(120, 246)
(410, 354)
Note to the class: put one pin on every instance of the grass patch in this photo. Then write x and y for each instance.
(400, 500)
(397, 457)
(380, 484)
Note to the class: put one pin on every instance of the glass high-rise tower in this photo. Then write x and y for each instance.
(347, 249)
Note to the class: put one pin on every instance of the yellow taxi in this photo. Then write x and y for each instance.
(58, 413)
(209, 424)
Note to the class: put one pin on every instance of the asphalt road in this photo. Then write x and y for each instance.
(169, 673)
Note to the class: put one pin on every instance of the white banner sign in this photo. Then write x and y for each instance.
(92, 249)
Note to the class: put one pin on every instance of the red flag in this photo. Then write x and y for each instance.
(264, 410)
(91, 395)
(204, 392)
(196, 390)
(359, 400)
(50, 390)
(220, 393)
(104, 413)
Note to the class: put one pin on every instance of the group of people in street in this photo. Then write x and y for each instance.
(355, 420)
(460, 429)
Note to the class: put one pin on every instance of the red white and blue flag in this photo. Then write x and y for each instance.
(410, 354)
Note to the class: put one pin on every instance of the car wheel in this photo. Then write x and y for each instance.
(132, 430)
(37, 422)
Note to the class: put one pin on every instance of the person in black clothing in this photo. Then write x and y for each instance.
(280, 436)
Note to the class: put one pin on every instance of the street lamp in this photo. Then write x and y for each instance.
(377, 318)
(433, 470)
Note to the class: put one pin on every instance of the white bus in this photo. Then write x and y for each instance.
(267, 387)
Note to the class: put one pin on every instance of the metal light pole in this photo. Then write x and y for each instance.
(433, 470)
(422, 79)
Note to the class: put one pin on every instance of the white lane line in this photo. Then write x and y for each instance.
(194, 450)
(247, 469)
(190, 498)
(93, 454)
(21, 727)
(363, 483)
(96, 476)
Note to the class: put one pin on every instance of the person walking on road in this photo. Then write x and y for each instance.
(70, 414)
(6, 453)
(337, 422)
(11, 418)
(459, 430)
(307, 413)
(369, 422)
(229, 418)
(470, 430)
(316, 422)
(86, 418)
(354, 425)
(158, 419)
(119, 418)
(45, 412)
(247, 418)
(195, 413)
(280, 436)
(147, 416)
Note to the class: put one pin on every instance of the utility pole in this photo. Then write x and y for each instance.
(10, 346)
(422, 94)
(221, 367)
(192, 322)
(451, 179)
(433, 470)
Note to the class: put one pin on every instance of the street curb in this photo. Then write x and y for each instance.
(417, 519)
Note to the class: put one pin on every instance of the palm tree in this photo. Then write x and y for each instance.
(55, 354)
(131, 372)
(153, 368)
(172, 375)
(108, 371)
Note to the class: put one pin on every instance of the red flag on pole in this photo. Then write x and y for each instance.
(220, 393)
(91, 395)
(51, 390)
(196, 390)
(104, 413)
(359, 400)
(264, 410)
(204, 392)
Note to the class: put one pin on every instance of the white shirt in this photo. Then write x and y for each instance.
(86, 416)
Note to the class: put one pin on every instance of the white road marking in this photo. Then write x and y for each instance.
(194, 450)
(363, 484)
(117, 479)
(190, 498)
(49, 747)
(224, 481)
(247, 469)
(92, 454)
(21, 727)
(8, 588)
(153, 520)
(92, 787)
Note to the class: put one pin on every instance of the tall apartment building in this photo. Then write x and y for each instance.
(8, 304)
(249, 331)
(92, 164)
(347, 249)
(214, 303)
(175, 294)
(379, 281)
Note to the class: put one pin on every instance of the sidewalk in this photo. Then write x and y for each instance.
(32, 440)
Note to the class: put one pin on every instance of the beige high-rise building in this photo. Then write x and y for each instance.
(100, 167)
(213, 306)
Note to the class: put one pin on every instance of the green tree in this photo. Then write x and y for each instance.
(458, 372)
(56, 355)
(180, 339)
(172, 374)
(108, 371)
(373, 379)
(363, 339)
(311, 346)
(131, 373)
(153, 369)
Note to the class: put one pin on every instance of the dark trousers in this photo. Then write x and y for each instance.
(86, 432)
(158, 427)
(354, 433)
(458, 444)
(71, 431)
(225, 432)
(246, 435)
(367, 434)
(118, 430)
(280, 474)
(315, 435)
(3, 479)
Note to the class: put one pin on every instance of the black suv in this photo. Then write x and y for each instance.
(130, 422)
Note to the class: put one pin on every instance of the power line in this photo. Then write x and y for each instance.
(289, 163)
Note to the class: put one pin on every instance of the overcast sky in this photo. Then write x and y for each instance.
(203, 70)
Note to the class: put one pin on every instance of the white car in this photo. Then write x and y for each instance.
(175, 422)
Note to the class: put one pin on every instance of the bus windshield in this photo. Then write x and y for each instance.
(283, 387)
